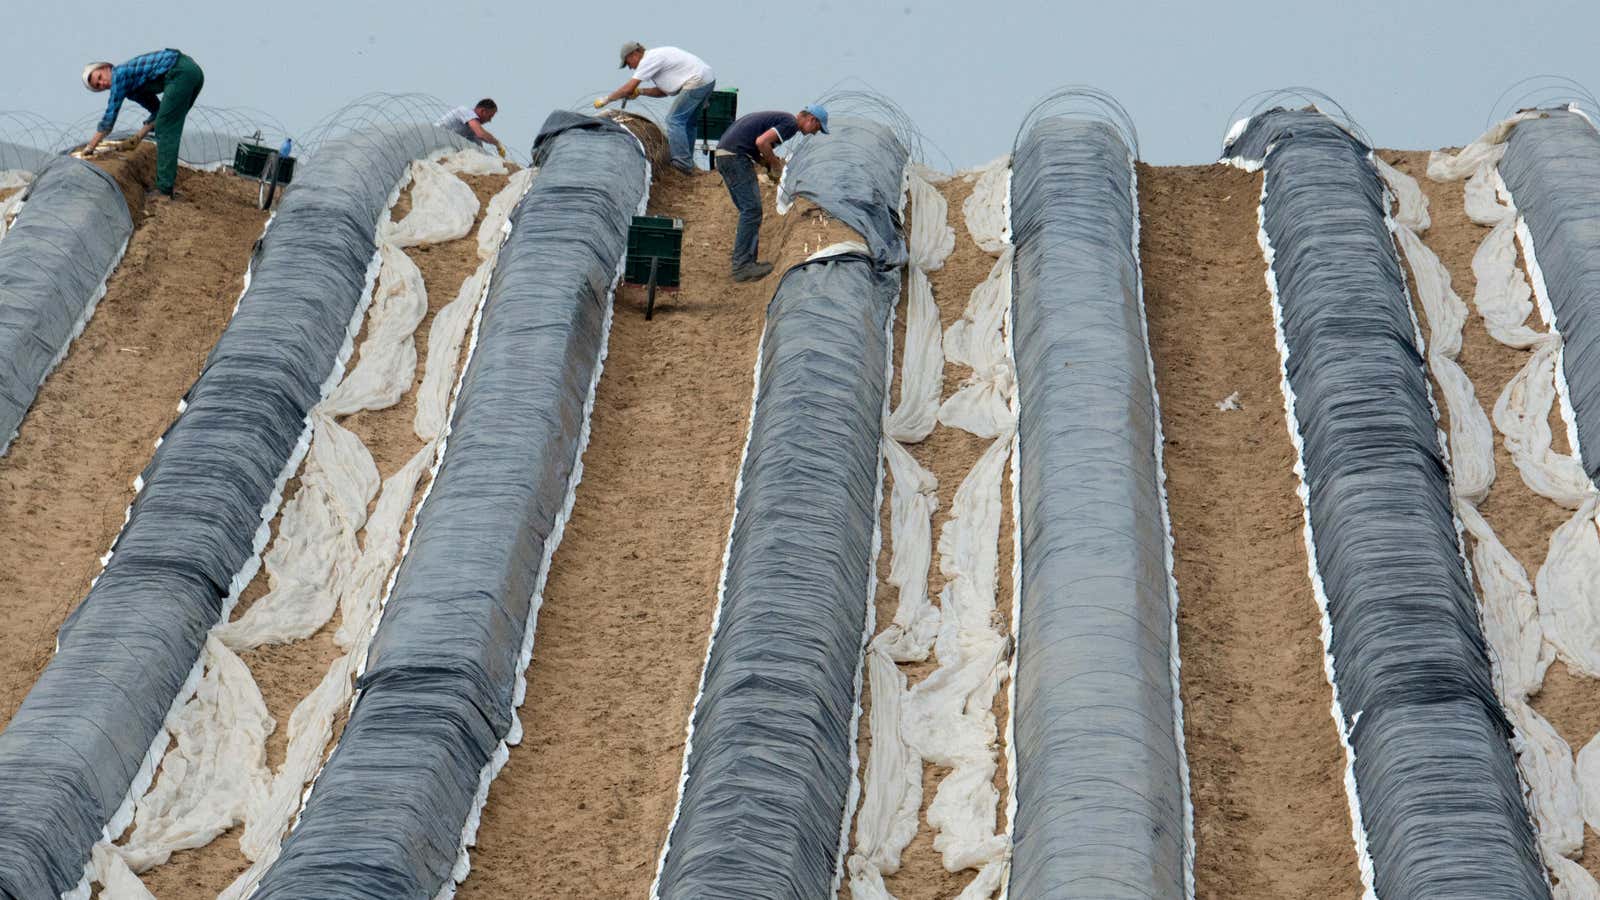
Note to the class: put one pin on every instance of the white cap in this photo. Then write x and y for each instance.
(89, 70)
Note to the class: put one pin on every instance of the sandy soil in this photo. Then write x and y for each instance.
(582, 808)
(1266, 768)
(68, 478)
(286, 673)
(1521, 518)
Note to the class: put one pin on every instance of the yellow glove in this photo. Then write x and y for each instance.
(635, 94)
(600, 103)
(502, 149)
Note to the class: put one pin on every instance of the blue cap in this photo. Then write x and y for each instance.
(818, 110)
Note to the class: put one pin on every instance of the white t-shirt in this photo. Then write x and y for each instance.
(672, 70)
(456, 120)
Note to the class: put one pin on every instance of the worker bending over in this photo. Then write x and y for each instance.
(166, 83)
(751, 139)
(469, 124)
(671, 73)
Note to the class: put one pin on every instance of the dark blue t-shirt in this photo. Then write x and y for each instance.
(741, 136)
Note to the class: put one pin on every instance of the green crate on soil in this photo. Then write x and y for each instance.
(721, 108)
(654, 237)
(638, 271)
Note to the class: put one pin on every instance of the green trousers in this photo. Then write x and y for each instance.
(178, 93)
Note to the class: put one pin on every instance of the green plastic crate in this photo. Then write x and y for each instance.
(250, 159)
(654, 237)
(721, 108)
(638, 271)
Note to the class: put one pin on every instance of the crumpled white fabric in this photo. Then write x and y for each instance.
(1567, 584)
(1522, 413)
(892, 795)
(315, 551)
(985, 209)
(922, 365)
(449, 328)
(216, 769)
(363, 591)
(977, 340)
(1510, 611)
(388, 360)
(1471, 438)
(948, 716)
(15, 178)
(117, 881)
(1546, 763)
(491, 234)
(1588, 772)
(911, 504)
(473, 161)
(1571, 881)
(932, 239)
(443, 208)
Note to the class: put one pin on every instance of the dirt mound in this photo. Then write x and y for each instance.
(135, 172)
(649, 134)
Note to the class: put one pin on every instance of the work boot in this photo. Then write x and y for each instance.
(752, 271)
(685, 168)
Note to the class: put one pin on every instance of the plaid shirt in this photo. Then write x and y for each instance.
(138, 79)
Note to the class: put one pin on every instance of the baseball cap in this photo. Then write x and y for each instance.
(627, 48)
(89, 70)
(821, 112)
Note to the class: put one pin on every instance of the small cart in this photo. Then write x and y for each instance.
(251, 159)
(655, 247)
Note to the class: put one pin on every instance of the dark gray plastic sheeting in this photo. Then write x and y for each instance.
(1552, 166)
(70, 754)
(1440, 798)
(385, 818)
(22, 157)
(1099, 781)
(770, 770)
(61, 249)
(827, 170)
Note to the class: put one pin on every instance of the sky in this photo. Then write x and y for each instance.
(1412, 73)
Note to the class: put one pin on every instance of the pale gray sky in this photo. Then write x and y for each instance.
(1414, 73)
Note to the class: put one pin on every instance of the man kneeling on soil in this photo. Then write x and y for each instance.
(749, 140)
(166, 83)
(469, 124)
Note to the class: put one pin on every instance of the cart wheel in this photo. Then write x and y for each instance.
(269, 181)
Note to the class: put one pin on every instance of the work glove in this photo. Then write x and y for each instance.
(635, 94)
(502, 149)
(600, 103)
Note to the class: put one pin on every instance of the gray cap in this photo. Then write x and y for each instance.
(627, 48)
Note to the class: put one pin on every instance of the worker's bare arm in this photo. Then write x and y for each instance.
(94, 141)
(765, 144)
(653, 92)
(481, 132)
(629, 89)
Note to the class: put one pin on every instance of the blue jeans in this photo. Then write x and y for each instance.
(684, 120)
(739, 174)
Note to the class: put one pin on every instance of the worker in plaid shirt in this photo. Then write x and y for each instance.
(166, 83)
